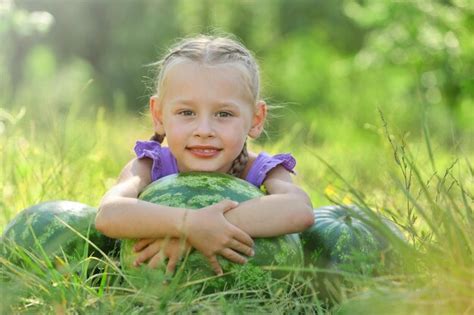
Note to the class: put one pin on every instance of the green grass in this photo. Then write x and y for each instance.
(422, 183)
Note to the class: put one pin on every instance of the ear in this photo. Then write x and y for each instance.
(157, 115)
(258, 120)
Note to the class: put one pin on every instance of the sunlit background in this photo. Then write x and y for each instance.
(342, 78)
(325, 62)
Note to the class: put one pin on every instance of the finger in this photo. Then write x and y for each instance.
(156, 260)
(215, 265)
(242, 237)
(171, 264)
(147, 253)
(165, 244)
(241, 248)
(226, 205)
(180, 249)
(140, 244)
(233, 256)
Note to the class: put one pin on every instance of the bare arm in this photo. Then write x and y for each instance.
(286, 208)
(122, 215)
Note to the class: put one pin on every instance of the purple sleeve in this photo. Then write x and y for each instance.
(163, 162)
(152, 150)
(264, 163)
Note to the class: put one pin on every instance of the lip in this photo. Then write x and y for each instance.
(204, 151)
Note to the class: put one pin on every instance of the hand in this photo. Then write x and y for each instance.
(155, 251)
(210, 233)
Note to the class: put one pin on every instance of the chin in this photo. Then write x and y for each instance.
(205, 169)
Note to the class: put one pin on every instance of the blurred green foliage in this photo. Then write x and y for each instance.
(329, 63)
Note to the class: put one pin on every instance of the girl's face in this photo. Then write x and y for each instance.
(206, 112)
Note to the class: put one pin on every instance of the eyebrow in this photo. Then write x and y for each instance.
(181, 101)
(192, 103)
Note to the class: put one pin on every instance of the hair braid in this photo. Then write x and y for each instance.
(158, 138)
(238, 165)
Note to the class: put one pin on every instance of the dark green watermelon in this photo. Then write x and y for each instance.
(344, 237)
(346, 242)
(196, 190)
(41, 229)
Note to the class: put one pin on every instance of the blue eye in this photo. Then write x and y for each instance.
(224, 114)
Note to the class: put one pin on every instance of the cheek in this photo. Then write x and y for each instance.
(236, 126)
(236, 134)
(247, 120)
(174, 134)
(173, 125)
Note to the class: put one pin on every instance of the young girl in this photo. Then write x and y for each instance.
(206, 105)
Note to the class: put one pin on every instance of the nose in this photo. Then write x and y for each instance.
(204, 128)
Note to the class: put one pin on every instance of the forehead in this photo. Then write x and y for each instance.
(194, 80)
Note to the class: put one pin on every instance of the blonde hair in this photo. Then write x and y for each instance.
(213, 50)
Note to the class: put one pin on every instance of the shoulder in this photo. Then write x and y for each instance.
(137, 168)
(133, 178)
(252, 157)
(150, 149)
(262, 165)
(163, 162)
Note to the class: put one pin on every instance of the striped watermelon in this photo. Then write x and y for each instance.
(345, 237)
(42, 230)
(196, 190)
(348, 239)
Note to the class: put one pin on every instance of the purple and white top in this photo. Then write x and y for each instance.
(164, 163)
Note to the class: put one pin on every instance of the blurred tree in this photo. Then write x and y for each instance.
(431, 38)
(19, 30)
(332, 60)
(118, 38)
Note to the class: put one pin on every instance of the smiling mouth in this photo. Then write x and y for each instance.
(204, 152)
